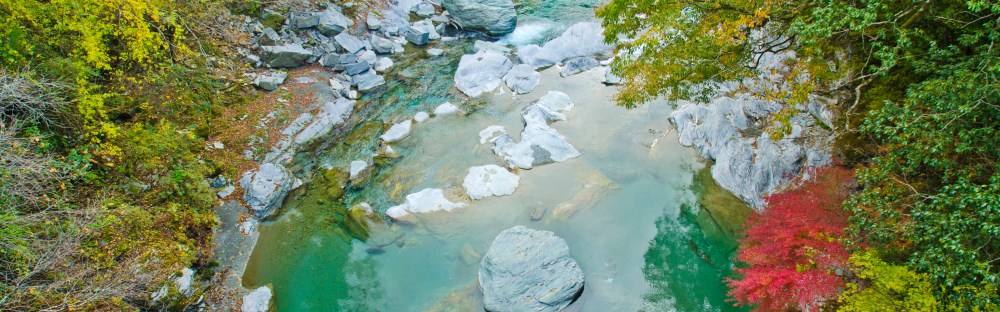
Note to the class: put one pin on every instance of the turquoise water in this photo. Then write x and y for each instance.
(648, 230)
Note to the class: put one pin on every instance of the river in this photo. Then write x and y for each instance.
(641, 215)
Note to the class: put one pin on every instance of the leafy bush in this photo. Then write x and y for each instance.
(793, 252)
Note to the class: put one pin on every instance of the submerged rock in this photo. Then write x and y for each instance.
(363, 223)
(529, 270)
(481, 72)
(490, 180)
(258, 300)
(425, 201)
(495, 17)
(266, 188)
(522, 78)
(581, 39)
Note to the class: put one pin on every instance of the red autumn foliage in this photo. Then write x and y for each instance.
(793, 248)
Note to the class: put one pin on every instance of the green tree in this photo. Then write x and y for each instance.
(885, 287)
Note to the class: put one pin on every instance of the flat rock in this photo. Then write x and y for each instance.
(495, 17)
(529, 270)
(581, 39)
(522, 78)
(490, 133)
(490, 180)
(286, 56)
(332, 23)
(351, 44)
(398, 131)
(330, 115)
(435, 52)
(481, 72)
(426, 201)
(368, 80)
(421, 116)
(270, 82)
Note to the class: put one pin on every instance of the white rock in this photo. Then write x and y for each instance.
(445, 109)
(481, 72)
(383, 64)
(581, 39)
(357, 166)
(434, 52)
(257, 301)
(421, 116)
(425, 201)
(490, 133)
(490, 180)
(557, 101)
(522, 78)
(398, 131)
(185, 281)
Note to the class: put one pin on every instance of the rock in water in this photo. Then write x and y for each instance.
(425, 201)
(529, 270)
(398, 131)
(581, 39)
(267, 187)
(578, 65)
(490, 180)
(257, 301)
(496, 17)
(481, 72)
(522, 78)
(286, 56)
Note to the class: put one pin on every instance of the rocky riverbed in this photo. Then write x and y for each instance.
(437, 126)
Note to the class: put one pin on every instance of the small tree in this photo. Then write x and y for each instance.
(792, 250)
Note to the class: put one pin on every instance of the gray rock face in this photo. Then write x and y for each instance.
(286, 56)
(331, 115)
(271, 81)
(581, 39)
(481, 72)
(495, 17)
(522, 78)
(269, 37)
(578, 65)
(529, 270)
(351, 44)
(750, 167)
(266, 188)
(357, 68)
(332, 23)
(373, 22)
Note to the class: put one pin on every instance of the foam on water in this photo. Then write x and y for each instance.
(530, 33)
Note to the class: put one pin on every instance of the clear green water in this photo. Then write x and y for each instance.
(646, 224)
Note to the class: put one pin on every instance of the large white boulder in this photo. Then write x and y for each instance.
(581, 39)
(490, 180)
(398, 131)
(481, 72)
(522, 78)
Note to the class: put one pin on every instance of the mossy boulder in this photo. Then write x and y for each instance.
(363, 223)
(335, 180)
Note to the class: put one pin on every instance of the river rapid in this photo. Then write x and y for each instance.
(640, 213)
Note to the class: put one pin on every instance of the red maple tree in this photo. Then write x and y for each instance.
(793, 250)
